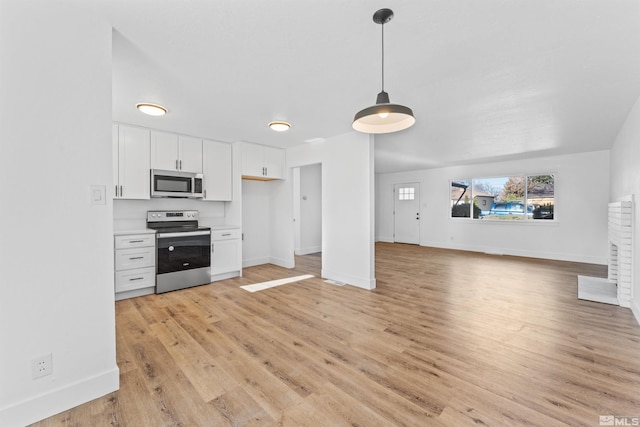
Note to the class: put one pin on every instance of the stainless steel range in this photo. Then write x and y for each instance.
(183, 254)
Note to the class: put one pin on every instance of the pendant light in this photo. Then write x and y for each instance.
(383, 117)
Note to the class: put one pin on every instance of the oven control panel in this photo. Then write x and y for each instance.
(165, 216)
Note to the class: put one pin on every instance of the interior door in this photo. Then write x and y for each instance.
(406, 213)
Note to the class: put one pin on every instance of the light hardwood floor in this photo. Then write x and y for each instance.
(447, 339)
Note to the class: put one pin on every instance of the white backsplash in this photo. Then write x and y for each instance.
(132, 214)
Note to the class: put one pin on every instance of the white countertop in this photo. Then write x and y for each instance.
(150, 231)
(134, 231)
(225, 227)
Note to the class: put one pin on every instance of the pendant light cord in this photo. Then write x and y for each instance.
(382, 25)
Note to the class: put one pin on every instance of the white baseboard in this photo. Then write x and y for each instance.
(635, 309)
(308, 250)
(254, 261)
(223, 276)
(359, 282)
(281, 262)
(269, 260)
(556, 256)
(135, 293)
(60, 399)
(385, 239)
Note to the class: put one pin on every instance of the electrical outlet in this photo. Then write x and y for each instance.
(41, 366)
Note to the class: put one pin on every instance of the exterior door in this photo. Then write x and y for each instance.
(406, 213)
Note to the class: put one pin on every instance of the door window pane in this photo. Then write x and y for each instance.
(406, 193)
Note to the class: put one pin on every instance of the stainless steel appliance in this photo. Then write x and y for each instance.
(176, 184)
(183, 250)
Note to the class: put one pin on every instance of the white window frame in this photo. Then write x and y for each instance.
(525, 220)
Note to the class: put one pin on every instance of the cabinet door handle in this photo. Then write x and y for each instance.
(205, 193)
(121, 191)
(266, 171)
(136, 278)
(212, 248)
(136, 241)
(226, 234)
(116, 191)
(176, 164)
(180, 164)
(135, 257)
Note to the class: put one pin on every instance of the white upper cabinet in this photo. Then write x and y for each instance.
(252, 160)
(274, 160)
(217, 167)
(190, 154)
(175, 152)
(164, 151)
(262, 163)
(131, 162)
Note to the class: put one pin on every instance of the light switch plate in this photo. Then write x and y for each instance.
(97, 194)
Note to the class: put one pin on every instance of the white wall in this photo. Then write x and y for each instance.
(295, 175)
(56, 249)
(256, 208)
(132, 214)
(625, 180)
(308, 200)
(347, 205)
(578, 234)
(266, 227)
(281, 223)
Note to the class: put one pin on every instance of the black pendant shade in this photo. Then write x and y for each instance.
(383, 117)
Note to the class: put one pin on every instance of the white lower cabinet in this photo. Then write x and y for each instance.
(226, 253)
(135, 265)
(137, 278)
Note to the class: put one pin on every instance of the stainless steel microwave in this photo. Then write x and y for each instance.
(176, 184)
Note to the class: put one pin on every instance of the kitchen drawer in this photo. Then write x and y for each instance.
(138, 278)
(126, 259)
(225, 234)
(135, 241)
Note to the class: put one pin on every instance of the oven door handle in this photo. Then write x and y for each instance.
(184, 234)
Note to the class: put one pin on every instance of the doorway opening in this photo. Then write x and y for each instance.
(307, 217)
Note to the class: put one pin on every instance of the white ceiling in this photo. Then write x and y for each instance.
(487, 79)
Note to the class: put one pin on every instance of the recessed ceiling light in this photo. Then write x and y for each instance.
(279, 126)
(151, 109)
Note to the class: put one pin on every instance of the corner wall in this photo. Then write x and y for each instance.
(56, 250)
(347, 205)
(579, 232)
(625, 181)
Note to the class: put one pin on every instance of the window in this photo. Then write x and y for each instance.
(507, 198)
(541, 195)
(461, 198)
(406, 193)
